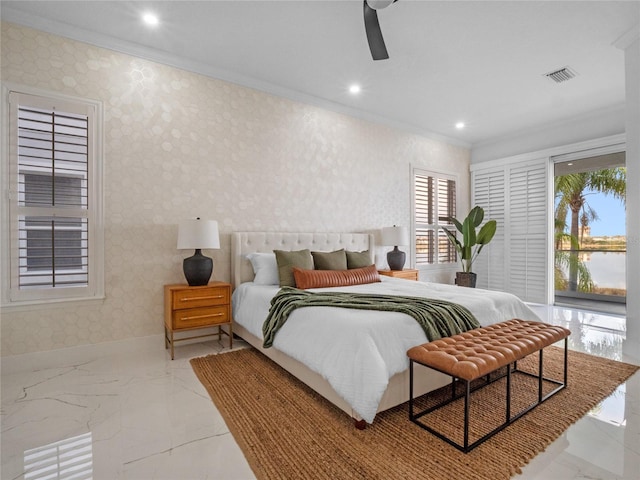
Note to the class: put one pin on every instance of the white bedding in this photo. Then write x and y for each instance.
(358, 351)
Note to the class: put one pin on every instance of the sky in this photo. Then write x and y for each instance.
(611, 215)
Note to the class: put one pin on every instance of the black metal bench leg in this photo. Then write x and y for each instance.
(540, 376)
(467, 396)
(508, 393)
(411, 389)
(565, 360)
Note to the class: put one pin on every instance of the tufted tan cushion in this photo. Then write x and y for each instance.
(480, 351)
(335, 278)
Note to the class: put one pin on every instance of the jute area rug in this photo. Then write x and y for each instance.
(287, 431)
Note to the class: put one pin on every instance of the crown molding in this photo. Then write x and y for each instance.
(627, 38)
(612, 109)
(611, 143)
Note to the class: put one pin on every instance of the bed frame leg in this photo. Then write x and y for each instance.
(360, 424)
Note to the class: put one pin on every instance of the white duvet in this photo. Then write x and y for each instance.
(358, 351)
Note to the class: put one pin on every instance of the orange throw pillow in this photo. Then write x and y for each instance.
(334, 278)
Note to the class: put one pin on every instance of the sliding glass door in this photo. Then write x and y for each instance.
(590, 236)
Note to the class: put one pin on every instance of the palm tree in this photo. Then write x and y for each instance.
(564, 261)
(570, 194)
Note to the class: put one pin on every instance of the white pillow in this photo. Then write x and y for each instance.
(265, 267)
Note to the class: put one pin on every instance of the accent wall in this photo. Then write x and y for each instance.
(180, 145)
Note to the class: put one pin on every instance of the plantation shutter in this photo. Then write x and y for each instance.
(489, 193)
(434, 202)
(446, 209)
(516, 259)
(52, 202)
(50, 196)
(527, 245)
(424, 200)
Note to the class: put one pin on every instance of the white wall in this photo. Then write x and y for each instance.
(631, 46)
(603, 123)
(180, 145)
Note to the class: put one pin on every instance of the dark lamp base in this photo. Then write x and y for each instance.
(396, 259)
(197, 269)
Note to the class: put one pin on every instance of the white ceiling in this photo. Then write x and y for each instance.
(480, 62)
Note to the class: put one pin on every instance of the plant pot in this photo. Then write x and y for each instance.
(466, 279)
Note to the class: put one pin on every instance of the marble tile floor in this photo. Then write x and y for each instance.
(124, 410)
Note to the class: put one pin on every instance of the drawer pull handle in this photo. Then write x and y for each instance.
(191, 299)
(196, 317)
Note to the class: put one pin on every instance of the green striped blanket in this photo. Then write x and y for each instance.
(438, 318)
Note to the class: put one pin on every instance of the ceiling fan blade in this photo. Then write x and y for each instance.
(374, 34)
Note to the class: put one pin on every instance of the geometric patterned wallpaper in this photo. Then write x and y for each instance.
(180, 145)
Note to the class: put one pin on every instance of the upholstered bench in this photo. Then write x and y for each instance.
(478, 353)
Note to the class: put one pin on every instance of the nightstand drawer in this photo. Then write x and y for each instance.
(200, 297)
(198, 317)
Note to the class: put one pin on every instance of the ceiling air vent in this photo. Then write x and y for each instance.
(561, 75)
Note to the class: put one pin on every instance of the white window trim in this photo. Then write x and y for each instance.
(11, 298)
(434, 267)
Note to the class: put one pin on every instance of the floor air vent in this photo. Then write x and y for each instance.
(561, 75)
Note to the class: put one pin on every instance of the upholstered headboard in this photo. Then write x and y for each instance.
(243, 243)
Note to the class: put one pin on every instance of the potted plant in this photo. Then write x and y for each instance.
(472, 242)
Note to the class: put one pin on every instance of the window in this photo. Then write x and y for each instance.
(55, 226)
(434, 198)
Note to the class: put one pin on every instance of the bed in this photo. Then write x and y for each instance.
(355, 359)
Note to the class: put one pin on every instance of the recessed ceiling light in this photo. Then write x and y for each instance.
(150, 19)
(460, 125)
(354, 89)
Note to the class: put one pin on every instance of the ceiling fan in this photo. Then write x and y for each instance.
(372, 27)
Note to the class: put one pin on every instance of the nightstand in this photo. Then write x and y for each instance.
(407, 273)
(191, 308)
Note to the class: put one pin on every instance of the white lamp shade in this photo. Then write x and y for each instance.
(395, 236)
(379, 4)
(194, 234)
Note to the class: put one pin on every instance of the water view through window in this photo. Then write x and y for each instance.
(590, 236)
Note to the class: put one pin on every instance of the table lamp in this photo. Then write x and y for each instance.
(395, 236)
(198, 234)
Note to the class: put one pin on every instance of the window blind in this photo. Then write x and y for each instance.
(53, 198)
(515, 261)
(488, 191)
(528, 230)
(446, 209)
(434, 201)
(424, 201)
